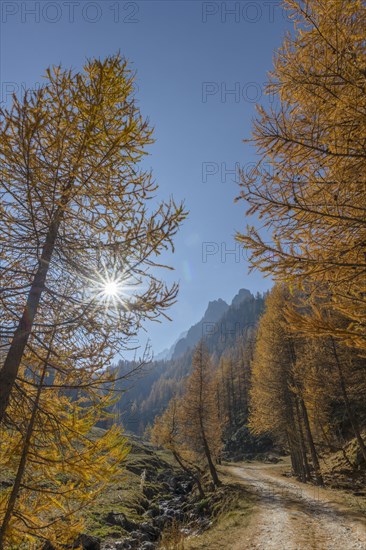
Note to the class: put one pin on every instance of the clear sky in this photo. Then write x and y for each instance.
(201, 67)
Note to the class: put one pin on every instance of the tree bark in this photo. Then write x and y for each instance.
(9, 371)
(213, 471)
(305, 463)
(310, 440)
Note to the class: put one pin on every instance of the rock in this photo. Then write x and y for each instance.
(148, 546)
(149, 491)
(138, 536)
(149, 530)
(153, 511)
(242, 295)
(163, 521)
(113, 518)
(145, 503)
(124, 545)
(127, 544)
(87, 542)
(271, 459)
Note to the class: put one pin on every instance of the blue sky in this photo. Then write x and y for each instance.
(201, 67)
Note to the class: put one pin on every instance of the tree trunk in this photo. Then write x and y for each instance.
(310, 440)
(233, 396)
(207, 451)
(229, 402)
(299, 415)
(351, 416)
(302, 445)
(15, 353)
(211, 465)
(295, 455)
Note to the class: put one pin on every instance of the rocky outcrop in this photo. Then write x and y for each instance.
(179, 505)
(215, 310)
(241, 296)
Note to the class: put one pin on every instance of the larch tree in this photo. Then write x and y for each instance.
(348, 377)
(232, 382)
(277, 404)
(223, 389)
(55, 463)
(167, 432)
(309, 187)
(202, 429)
(334, 383)
(77, 234)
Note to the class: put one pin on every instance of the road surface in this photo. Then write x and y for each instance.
(293, 516)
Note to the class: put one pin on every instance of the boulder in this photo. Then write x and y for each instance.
(149, 530)
(87, 542)
(113, 518)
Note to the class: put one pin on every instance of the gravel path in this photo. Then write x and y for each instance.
(293, 516)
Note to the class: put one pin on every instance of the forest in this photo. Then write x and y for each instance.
(84, 234)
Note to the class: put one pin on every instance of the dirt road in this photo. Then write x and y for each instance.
(294, 516)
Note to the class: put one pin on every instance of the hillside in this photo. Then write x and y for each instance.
(222, 327)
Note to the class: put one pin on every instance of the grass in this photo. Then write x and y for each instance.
(125, 495)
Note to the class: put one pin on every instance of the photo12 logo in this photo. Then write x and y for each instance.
(69, 12)
(242, 12)
(232, 172)
(9, 89)
(227, 331)
(235, 92)
(236, 252)
(223, 252)
(220, 172)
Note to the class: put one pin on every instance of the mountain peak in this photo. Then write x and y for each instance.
(242, 295)
(215, 309)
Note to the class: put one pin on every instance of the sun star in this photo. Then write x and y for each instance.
(110, 288)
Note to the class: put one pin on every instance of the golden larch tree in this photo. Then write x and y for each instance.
(76, 221)
(201, 426)
(309, 187)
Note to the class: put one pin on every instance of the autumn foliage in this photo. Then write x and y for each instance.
(309, 186)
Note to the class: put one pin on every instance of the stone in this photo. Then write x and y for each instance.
(113, 518)
(149, 530)
(87, 542)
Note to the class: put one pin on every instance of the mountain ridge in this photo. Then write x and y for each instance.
(215, 310)
(223, 328)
